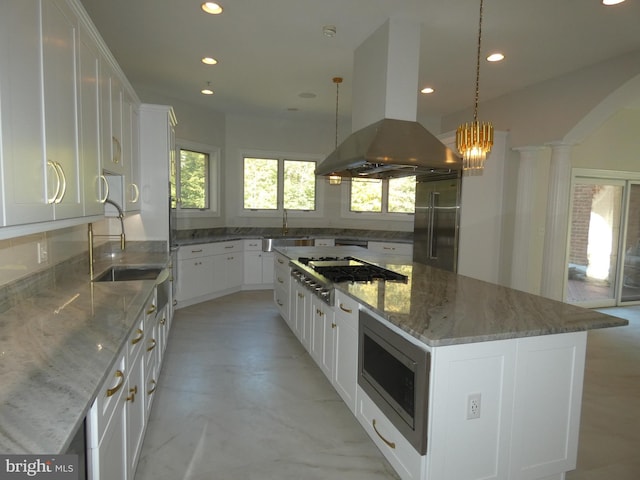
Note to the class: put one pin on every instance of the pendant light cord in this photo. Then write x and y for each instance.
(337, 81)
(475, 108)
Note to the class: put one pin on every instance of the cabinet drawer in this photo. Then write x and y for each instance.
(151, 347)
(281, 261)
(397, 450)
(391, 248)
(253, 245)
(195, 251)
(110, 396)
(220, 248)
(324, 242)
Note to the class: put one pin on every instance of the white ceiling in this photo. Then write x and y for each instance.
(270, 52)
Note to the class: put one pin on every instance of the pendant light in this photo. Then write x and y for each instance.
(474, 140)
(336, 179)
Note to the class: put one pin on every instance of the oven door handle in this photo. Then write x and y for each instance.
(390, 444)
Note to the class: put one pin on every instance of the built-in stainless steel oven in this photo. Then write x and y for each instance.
(394, 372)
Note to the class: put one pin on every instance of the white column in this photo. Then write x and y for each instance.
(524, 225)
(557, 222)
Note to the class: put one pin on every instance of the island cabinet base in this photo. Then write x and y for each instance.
(507, 409)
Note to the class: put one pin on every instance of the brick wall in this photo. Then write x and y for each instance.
(580, 218)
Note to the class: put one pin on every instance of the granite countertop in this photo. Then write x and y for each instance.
(224, 235)
(441, 308)
(56, 348)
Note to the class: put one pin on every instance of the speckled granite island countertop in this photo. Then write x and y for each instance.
(56, 349)
(441, 308)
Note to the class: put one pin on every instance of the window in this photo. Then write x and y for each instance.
(396, 195)
(193, 179)
(270, 183)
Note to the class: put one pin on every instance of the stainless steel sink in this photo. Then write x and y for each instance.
(268, 244)
(125, 273)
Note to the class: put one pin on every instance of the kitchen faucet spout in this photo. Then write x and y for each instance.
(91, 235)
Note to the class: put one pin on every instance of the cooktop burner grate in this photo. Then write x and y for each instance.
(349, 269)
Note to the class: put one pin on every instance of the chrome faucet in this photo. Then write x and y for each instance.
(285, 227)
(91, 235)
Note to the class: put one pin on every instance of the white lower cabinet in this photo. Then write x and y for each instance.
(135, 410)
(345, 371)
(208, 270)
(282, 286)
(117, 420)
(258, 266)
(322, 335)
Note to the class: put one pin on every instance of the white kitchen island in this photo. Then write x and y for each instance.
(522, 356)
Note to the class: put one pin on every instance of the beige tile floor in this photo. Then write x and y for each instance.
(239, 399)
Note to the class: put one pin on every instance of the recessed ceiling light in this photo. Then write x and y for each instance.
(212, 8)
(611, 2)
(307, 95)
(495, 57)
(427, 90)
(292, 109)
(329, 31)
(209, 60)
(207, 90)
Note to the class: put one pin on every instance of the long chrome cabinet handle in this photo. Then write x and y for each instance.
(63, 179)
(106, 188)
(433, 251)
(390, 444)
(120, 376)
(54, 197)
(136, 193)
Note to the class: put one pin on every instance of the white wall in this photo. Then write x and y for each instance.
(547, 111)
(613, 146)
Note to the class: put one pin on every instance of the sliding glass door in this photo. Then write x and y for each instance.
(630, 288)
(604, 242)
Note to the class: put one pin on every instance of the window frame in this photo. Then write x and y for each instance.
(279, 211)
(346, 211)
(213, 183)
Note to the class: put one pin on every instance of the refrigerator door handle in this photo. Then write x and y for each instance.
(433, 203)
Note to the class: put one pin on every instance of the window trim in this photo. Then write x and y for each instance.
(214, 209)
(281, 157)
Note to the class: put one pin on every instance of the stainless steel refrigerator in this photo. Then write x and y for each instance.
(437, 218)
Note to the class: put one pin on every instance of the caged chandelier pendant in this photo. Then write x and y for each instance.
(474, 140)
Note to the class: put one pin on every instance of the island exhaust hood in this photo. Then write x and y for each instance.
(385, 100)
(390, 148)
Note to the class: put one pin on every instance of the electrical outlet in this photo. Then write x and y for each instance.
(43, 254)
(474, 403)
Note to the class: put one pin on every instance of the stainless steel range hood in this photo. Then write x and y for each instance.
(390, 148)
(387, 141)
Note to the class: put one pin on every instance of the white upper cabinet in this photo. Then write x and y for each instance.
(95, 188)
(24, 167)
(66, 115)
(59, 40)
(131, 154)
